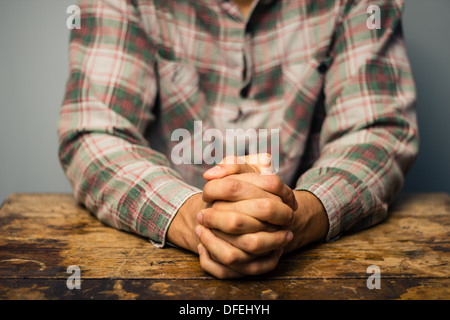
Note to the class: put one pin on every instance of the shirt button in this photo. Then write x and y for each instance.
(322, 68)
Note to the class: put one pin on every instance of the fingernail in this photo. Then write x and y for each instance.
(199, 249)
(289, 236)
(200, 218)
(198, 231)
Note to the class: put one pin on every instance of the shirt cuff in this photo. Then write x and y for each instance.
(156, 204)
(341, 194)
(181, 192)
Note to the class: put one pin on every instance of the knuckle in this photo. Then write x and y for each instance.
(235, 223)
(275, 182)
(231, 258)
(253, 244)
(233, 187)
(265, 206)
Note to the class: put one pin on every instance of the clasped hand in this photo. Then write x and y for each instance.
(244, 228)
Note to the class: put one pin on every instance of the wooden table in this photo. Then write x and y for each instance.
(41, 235)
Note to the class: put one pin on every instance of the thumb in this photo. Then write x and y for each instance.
(228, 166)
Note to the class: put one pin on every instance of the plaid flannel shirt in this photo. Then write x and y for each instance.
(341, 94)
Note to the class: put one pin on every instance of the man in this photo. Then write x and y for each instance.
(340, 92)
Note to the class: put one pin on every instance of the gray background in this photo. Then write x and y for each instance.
(34, 69)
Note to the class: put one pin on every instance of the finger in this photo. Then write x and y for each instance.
(222, 251)
(259, 242)
(228, 166)
(264, 209)
(214, 268)
(272, 184)
(231, 221)
(229, 257)
(263, 264)
(231, 189)
(262, 161)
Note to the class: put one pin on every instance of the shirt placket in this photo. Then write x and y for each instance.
(240, 56)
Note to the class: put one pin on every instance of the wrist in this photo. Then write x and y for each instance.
(310, 223)
(181, 231)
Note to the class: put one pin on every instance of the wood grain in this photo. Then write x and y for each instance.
(43, 234)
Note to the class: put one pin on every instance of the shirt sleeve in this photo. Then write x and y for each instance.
(369, 137)
(107, 108)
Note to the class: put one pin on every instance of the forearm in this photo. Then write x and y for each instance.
(358, 175)
(124, 185)
(368, 138)
(104, 120)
